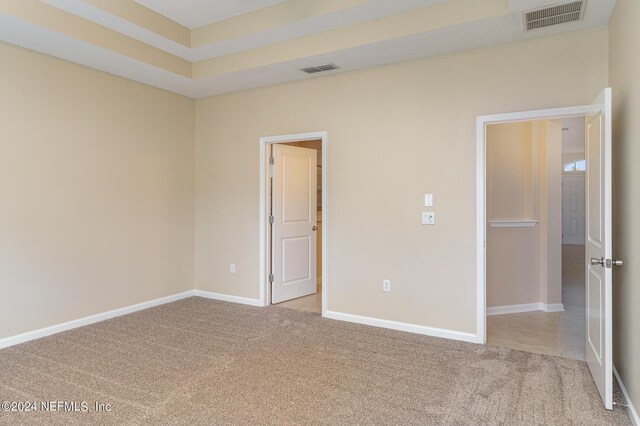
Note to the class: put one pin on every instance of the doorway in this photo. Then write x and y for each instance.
(293, 220)
(598, 261)
(535, 281)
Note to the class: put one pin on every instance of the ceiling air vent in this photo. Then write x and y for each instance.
(320, 68)
(554, 15)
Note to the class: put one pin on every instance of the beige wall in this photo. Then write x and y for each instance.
(572, 156)
(550, 210)
(395, 133)
(625, 69)
(513, 261)
(524, 264)
(96, 192)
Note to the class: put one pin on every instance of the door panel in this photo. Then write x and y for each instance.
(598, 247)
(594, 321)
(295, 185)
(294, 219)
(295, 259)
(573, 209)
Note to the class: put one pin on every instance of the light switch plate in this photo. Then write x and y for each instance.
(428, 218)
(428, 200)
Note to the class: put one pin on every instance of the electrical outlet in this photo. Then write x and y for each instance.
(428, 218)
(386, 285)
(232, 268)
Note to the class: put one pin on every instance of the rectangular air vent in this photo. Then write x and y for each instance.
(554, 15)
(320, 68)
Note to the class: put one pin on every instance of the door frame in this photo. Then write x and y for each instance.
(265, 250)
(481, 212)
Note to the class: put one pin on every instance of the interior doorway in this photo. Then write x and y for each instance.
(307, 296)
(535, 201)
(598, 260)
(293, 221)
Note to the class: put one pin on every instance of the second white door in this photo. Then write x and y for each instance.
(294, 230)
(573, 216)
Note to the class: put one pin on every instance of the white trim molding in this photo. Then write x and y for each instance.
(552, 307)
(633, 414)
(92, 319)
(525, 223)
(402, 326)
(227, 298)
(526, 307)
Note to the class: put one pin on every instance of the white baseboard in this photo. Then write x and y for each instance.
(402, 326)
(552, 307)
(227, 298)
(633, 414)
(527, 307)
(58, 328)
(513, 309)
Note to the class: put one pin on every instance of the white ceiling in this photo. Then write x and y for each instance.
(197, 13)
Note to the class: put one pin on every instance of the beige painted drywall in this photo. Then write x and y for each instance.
(513, 261)
(509, 171)
(624, 46)
(524, 264)
(550, 209)
(571, 157)
(66, 23)
(395, 133)
(432, 17)
(146, 18)
(267, 18)
(96, 192)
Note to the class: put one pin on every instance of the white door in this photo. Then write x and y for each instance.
(294, 222)
(598, 246)
(573, 202)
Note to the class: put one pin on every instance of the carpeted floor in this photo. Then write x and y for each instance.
(199, 361)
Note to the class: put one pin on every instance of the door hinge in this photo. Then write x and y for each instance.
(272, 219)
(272, 167)
(271, 278)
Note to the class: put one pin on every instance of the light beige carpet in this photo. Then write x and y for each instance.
(198, 361)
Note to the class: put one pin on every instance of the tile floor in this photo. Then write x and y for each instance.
(551, 333)
(311, 303)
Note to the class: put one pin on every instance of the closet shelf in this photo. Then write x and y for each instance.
(524, 223)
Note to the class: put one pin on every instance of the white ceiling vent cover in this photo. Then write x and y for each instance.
(554, 15)
(320, 68)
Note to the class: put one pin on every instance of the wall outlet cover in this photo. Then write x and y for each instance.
(428, 218)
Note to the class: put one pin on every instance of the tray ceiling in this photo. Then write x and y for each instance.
(200, 48)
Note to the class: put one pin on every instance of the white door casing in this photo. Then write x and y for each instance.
(573, 206)
(294, 229)
(599, 247)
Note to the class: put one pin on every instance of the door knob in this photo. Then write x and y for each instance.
(618, 263)
(315, 228)
(596, 261)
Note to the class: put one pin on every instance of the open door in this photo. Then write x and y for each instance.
(599, 246)
(293, 217)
